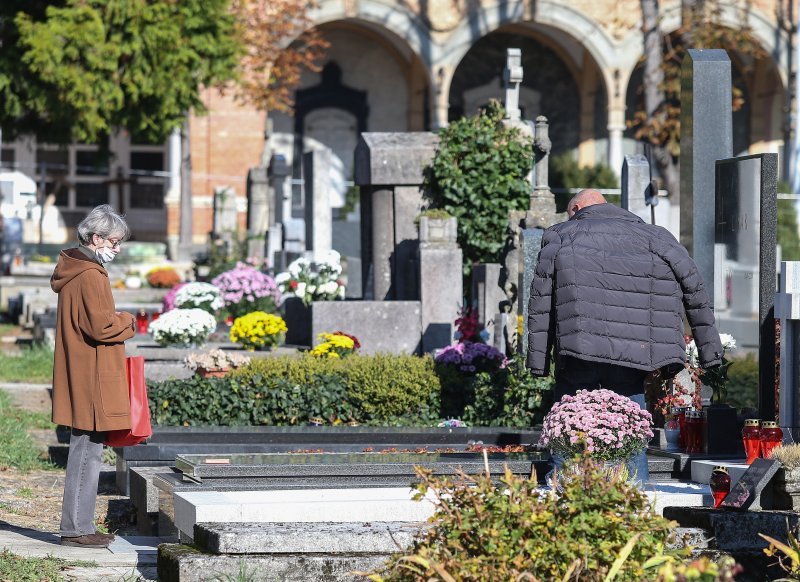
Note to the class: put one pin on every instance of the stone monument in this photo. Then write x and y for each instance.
(706, 136)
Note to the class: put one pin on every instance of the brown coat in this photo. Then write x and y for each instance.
(90, 389)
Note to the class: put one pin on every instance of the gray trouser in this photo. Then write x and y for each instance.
(80, 488)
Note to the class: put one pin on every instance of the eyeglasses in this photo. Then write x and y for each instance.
(114, 243)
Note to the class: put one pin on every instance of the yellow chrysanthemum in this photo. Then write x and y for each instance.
(257, 329)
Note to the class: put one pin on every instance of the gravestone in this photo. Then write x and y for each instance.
(745, 226)
(752, 490)
(706, 136)
(489, 298)
(225, 216)
(280, 208)
(258, 215)
(441, 288)
(389, 170)
(787, 309)
(317, 186)
(637, 192)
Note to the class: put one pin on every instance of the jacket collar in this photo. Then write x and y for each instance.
(605, 212)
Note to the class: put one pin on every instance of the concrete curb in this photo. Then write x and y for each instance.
(33, 397)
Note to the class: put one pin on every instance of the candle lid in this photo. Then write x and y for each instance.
(752, 422)
(721, 468)
(769, 424)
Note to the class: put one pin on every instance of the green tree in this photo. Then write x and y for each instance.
(478, 174)
(78, 69)
(788, 236)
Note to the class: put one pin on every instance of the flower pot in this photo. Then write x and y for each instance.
(673, 436)
(212, 372)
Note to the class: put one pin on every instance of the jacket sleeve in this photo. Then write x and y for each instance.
(541, 308)
(695, 301)
(98, 319)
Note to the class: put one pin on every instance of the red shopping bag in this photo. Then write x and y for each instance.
(140, 411)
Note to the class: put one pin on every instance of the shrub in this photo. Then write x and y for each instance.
(232, 402)
(163, 277)
(479, 173)
(509, 397)
(519, 532)
(383, 388)
(742, 383)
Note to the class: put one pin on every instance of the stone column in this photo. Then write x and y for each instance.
(616, 129)
(706, 136)
(281, 202)
(318, 216)
(542, 206)
(382, 221)
(440, 281)
(530, 245)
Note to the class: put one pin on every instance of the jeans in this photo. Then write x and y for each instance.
(80, 488)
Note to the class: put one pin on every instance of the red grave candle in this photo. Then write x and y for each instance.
(771, 437)
(720, 484)
(751, 436)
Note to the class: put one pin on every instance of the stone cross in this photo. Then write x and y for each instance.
(512, 77)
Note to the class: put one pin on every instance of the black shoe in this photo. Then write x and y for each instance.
(86, 541)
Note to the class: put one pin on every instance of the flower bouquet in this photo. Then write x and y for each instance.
(245, 289)
(258, 330)
(335, 345)
(608, 426)
(199, 296)
(182, 327)
(313, 281)
(715, 378)
(214, 362)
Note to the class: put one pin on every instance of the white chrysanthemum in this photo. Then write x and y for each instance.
(299, 266)
(282, 277)
(728, 341)
(182, 326)
(197, 294)
(692, 355)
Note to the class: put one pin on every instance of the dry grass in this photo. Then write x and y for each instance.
(788, 455)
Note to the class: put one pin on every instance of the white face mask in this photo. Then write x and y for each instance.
(105, 255)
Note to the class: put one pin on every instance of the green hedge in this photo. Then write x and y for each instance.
(742, 382)
(380, 389)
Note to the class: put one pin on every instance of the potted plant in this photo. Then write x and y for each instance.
(182, 327)
(245, 289)
(214, 363)
(203, 296)
(335, 345)
(610, 427)
(258, 330)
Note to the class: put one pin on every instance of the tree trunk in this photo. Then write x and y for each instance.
(654, 92)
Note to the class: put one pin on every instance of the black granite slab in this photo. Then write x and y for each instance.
(401, 465)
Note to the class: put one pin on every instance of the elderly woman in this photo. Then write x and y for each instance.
(90, 391)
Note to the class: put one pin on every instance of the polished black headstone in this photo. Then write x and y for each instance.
(745, 264)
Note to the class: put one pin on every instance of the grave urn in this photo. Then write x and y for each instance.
(786, 489)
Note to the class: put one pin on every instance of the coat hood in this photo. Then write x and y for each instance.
(606, 211)
(71, 263)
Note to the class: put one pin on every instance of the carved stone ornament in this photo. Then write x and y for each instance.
(445, 15)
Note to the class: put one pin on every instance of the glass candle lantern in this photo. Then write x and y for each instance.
(720, 484)
(771, 437)
(751, 436)
(679, 412)
(141, 321)
(693, 431)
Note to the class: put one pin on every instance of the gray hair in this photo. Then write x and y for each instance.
(103, 221)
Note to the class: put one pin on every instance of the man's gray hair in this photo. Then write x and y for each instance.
(103, 221)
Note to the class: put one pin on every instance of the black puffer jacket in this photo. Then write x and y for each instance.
(610, 288)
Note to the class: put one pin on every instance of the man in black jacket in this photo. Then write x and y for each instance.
(608, 299)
